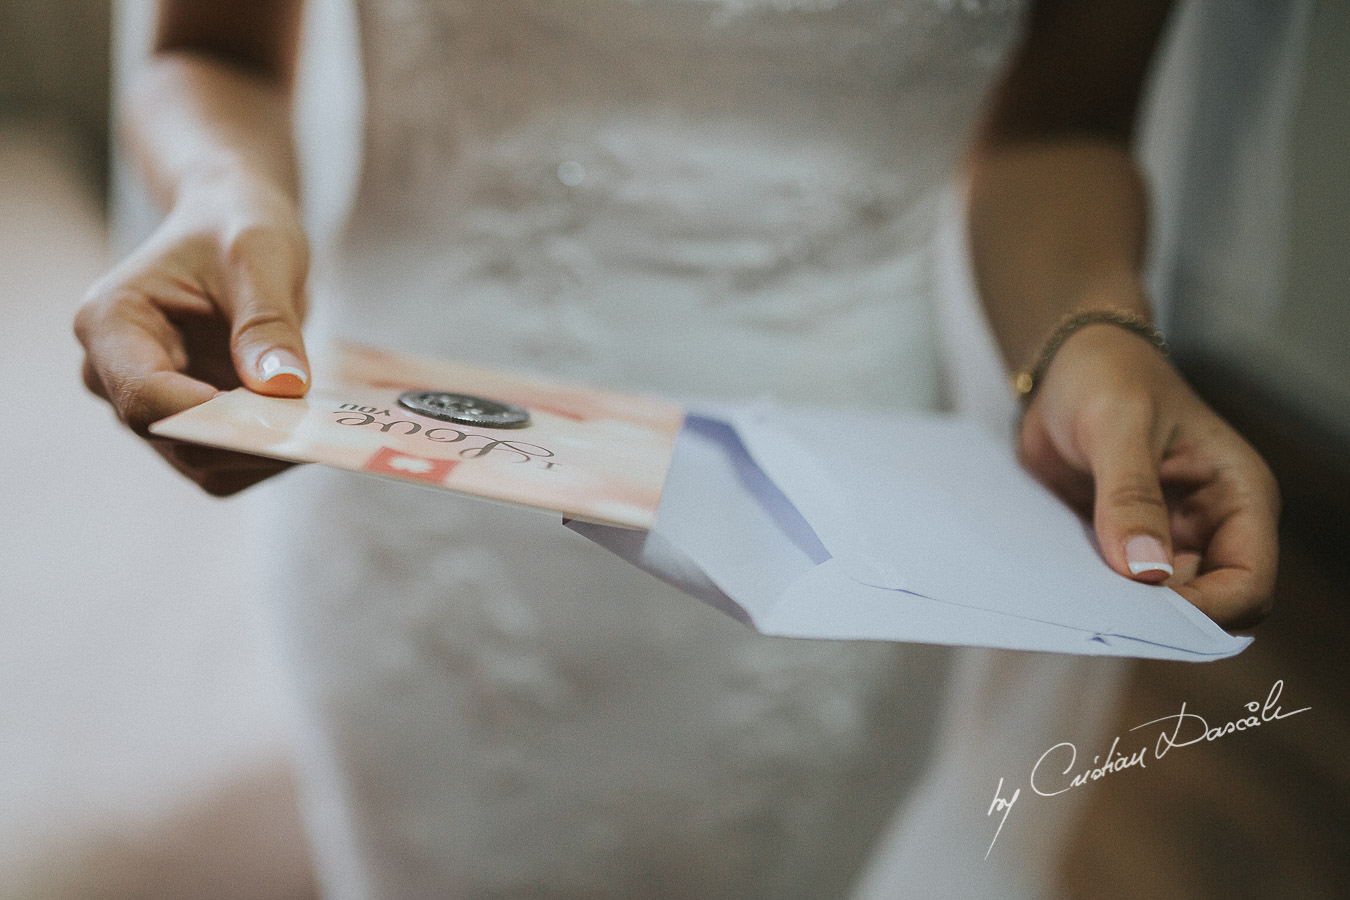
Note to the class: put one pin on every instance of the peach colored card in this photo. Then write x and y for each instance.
(589, 454)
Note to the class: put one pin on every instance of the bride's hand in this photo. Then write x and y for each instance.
(1174, 493)
(212, 300)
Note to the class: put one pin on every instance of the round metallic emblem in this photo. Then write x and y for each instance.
(464, 409)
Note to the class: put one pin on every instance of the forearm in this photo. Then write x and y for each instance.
(1055, 226)
(194, 123)
(211, 106)
(1058, 210)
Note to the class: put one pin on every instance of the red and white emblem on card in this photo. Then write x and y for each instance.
(397, 464)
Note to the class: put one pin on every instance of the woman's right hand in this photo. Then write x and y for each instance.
(213, 300)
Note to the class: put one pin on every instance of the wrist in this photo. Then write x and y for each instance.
(231, 184)
(220, 206)
(1102, 321)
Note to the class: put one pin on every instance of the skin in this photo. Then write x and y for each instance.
(1057, 223)
(221, 282)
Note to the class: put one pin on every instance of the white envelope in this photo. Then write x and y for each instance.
(922, 528)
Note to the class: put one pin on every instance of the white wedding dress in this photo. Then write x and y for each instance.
(700, 198)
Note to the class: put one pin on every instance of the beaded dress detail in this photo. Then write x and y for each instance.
(713, 199)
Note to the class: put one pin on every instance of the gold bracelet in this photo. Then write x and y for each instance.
(1026, 381)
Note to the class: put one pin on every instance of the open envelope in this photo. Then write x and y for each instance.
(915, 528)
(803, 523)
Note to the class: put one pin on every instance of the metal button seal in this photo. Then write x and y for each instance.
(464, 409)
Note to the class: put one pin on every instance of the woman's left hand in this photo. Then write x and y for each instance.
(1174, 493)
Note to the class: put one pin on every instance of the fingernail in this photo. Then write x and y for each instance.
(276, 363)
(1146, 554)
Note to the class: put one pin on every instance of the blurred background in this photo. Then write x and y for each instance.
(142, 745)
(142, 729)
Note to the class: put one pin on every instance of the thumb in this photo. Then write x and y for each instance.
(1129, 511)
(266, 341)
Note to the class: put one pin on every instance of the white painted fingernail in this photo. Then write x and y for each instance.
(276, 363)
(1146, 554)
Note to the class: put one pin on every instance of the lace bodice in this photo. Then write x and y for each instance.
(589, 176)
(860, 101)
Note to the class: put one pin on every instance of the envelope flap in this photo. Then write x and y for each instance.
(934, 506)
(826, 603)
